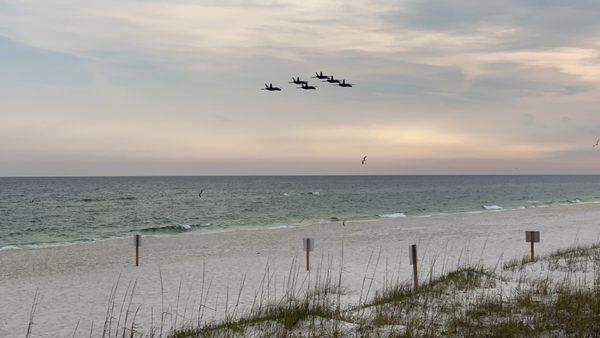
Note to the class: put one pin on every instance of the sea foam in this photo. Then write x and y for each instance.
(491, 207)
(394, 215)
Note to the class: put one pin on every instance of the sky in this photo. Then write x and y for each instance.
(159, 87)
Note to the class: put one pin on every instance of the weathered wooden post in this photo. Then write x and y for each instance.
(532, 237)
(309, 245)
(412, 255)
(137, 240)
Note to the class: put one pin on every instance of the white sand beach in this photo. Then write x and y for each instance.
(74, 281)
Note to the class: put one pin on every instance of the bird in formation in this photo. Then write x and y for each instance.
(344, 84)
(298, 81)
(332, 80)
(270, 87)
(306, 86)
(320, 76)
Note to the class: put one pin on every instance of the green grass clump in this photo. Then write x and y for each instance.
(462, 279)
(287, 316)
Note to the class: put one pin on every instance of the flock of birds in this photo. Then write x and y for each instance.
(306, 86)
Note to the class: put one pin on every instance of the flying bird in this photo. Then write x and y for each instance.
(320, 76)
(344, 84)
(200, 194)
(332, 80)
(364, 160)
(298, 81)
(270, 87)
(306, 86)
(597, 141)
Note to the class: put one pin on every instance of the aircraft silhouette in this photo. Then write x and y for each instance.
(320, 76)
(332, 80)
(344, 84)
(271, 88)
(306, 86)
(297, 81)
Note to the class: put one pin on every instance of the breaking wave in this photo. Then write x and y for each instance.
(394, 215)
(173, 228)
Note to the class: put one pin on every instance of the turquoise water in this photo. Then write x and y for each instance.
(58, 210)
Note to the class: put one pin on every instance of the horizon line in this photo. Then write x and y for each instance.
(295, 175)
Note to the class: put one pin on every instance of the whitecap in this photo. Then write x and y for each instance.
(491, 207)
(313, 193)
(394, 215)
(9, 247)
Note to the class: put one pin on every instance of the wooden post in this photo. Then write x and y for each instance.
(308, 254)
(532, 252)
(413, 261)
(137, 239)
(532, 237)
(309, 245)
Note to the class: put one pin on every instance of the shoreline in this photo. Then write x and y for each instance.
(383, 217)
(75, 281)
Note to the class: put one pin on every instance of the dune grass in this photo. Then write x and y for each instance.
(468, 301)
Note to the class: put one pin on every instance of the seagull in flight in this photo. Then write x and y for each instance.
(364, 160)
(200, 194)
(597, 141)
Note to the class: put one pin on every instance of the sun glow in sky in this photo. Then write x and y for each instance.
(173, 87)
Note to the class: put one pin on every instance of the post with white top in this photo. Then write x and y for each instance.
(412, 256)
(532, 237)
(137, 241)
(309, 245)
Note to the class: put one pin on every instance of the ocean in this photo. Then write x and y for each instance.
(57, 210)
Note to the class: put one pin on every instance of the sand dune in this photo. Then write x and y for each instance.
(74, 281)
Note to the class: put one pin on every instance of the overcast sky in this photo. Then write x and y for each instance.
(159, 87)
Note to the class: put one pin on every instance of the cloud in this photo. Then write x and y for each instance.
(537, 24)
(463, 85)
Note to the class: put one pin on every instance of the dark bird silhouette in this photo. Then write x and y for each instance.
(344, 84)
(306, 86)
(332, 80)
(364, 160)
(270, 87)
(344, 222)
(298, 81)
(320, 76)
(597, 141)
(200, 194)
